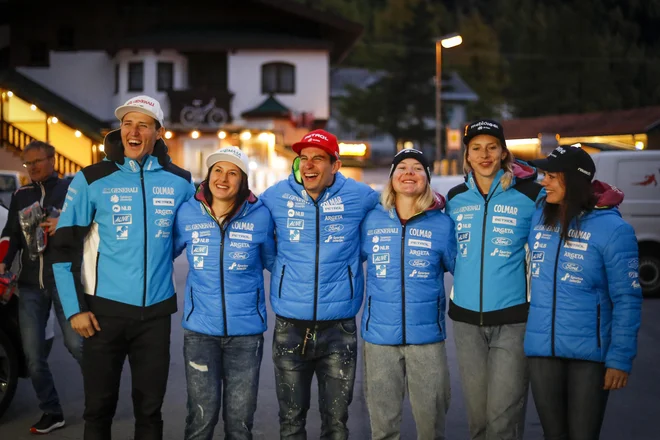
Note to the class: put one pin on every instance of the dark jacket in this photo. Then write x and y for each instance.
(50, 193)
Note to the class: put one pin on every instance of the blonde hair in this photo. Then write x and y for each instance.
(507, 165)
(423, 202)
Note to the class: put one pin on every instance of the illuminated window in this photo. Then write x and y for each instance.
(278, 78)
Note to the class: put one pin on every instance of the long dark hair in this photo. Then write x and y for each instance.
(241, 196)
(578, 198)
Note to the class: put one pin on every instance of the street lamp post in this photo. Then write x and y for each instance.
(448, 41)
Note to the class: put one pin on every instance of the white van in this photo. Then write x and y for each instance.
(10, 181)
(637, 174)
(442, 184)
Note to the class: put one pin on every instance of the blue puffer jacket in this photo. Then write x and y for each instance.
(490, 282)
(318, 273)
(113, 246)
(225, 286)
(586, 297)
(405, 275)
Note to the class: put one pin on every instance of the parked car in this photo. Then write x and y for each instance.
(637, 174)
(10, 181)
(442, 184)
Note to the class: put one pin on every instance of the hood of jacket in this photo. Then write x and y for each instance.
(608, 196)
(523, 171)
(114, 149)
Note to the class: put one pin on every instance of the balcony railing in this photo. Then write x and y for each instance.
(14, 139)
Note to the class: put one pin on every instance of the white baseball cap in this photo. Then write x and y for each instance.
(229, 154)
(141, 104)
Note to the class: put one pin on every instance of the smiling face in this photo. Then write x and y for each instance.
(554, 187)
(139, 135)
(485, 155)
(316, 170)
(409, 178)
(225, 181)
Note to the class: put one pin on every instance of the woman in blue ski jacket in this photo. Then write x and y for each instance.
(228, 236)
(492, 211)
(586, 299)
(408, 243)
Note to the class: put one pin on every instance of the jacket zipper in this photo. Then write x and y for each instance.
(350, 280)
(144, 218)
(403, 281)
(525, 293)
(316, 267)
(366, 327)
(96, 272)
(192, 302)
(481, 269)
(598, 324)
(554, 299)
(222, 279)
(41, 255)
(259, 312)
(279, 293)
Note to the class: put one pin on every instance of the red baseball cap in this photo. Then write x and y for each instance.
(319, 139)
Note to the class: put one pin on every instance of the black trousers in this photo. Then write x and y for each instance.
(569, 397)
(147, 345)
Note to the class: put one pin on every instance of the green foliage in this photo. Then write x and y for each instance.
(402, 103)
(539, 57)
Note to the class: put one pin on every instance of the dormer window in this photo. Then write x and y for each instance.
(278, 78)
(165, 79)
(136, 76)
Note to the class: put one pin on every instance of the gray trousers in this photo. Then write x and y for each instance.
(421, 369)
(495, 379)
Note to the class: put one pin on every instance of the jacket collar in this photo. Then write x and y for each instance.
(495, 186)
(149, 163)
(49, 181)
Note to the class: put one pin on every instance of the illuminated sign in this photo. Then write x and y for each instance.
(356, 149)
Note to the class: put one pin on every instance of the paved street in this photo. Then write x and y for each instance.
(633, 413)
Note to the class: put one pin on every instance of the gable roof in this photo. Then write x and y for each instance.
(270, 108)
(171, 24)
(344, 33)
(453, 86)
(637, 120)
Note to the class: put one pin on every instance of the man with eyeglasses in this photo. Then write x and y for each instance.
(37, 291)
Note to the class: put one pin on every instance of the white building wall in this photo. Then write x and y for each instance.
(150, 59)
(87, 79)
(312, 80)
(84, 78)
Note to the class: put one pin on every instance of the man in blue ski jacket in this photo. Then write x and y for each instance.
(118, 214)
(317, 285)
